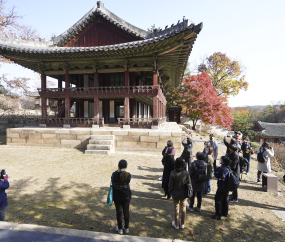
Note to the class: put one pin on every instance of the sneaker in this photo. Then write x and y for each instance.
(127, 231)
(181, 226)
(233, 201)
(198, 209)
(173, 225)
(120, 231)
(190, 209)
(160, 178)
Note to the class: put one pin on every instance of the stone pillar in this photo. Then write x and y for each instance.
(127, 99)
(43, 98)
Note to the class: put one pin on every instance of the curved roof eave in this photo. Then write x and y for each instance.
(38, 47)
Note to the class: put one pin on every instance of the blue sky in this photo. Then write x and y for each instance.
(250, 31)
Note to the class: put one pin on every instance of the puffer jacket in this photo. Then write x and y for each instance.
(177, 182)
(3, 196)
(222, 174)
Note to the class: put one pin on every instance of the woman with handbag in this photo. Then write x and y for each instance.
(247, 150)
(179, 177)
(122, 196)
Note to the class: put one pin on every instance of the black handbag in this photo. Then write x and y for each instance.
(188, 190)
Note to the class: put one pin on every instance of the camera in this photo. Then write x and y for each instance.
(3, 174)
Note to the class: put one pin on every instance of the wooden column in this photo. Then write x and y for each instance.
(59, 83)
(43, 98)
(67, 80)
(106, 110)
(67, 107)
(132, 108)
(81, 108)
(96, 98)
(127, 99)
(80, 80)
(155, 97)
(96, 79)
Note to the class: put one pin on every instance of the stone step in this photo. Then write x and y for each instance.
(99, 147)
(102, 137)
(94, 152)
(101, 142)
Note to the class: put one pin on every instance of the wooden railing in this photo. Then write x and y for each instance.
(74, 122)
(85, 91)
(138, 122)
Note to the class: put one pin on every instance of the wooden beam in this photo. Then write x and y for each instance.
(143, 68)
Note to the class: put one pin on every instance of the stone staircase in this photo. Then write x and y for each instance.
(101, 144)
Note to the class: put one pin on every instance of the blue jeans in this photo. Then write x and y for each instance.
(3, 214)
(207, 186)
(247, 156)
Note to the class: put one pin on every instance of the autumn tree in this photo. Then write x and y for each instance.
(241, 122)
(226, 75)
(199, 96)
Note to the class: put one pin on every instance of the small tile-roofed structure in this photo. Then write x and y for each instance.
(271, 132)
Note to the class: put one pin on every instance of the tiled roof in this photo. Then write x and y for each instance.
(42, 47)
(272, 129)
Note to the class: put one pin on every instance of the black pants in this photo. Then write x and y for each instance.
(122, 207)
(215, 165)
(221, 203)
(199, 198)
(259, 174)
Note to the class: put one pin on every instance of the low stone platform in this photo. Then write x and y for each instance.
(125, 139)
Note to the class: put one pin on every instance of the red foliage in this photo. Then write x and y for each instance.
(199, 96)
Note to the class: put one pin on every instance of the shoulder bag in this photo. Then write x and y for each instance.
(188, 189)
(110, 193)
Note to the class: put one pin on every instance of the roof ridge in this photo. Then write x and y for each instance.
(105, 13)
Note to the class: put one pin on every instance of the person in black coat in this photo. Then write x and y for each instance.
(198, 186)
(187, 155)
(122, 195)
(234, 165)
(221, 197)
(168, 162)
(178, 178)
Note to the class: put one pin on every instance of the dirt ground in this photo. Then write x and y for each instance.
(66, 188)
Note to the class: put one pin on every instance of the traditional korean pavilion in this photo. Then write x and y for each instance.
(112, 70)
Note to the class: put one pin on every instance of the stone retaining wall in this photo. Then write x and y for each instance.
(125, 140)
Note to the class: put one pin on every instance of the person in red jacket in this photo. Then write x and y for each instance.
(4, 184)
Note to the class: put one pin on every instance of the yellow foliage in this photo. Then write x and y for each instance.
(226, 74)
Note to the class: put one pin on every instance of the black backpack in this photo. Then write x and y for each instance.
(233, 181)
(260, 157)
(243, 163)
(200, 173)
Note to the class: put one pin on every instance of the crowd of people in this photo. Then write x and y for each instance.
(197, 174)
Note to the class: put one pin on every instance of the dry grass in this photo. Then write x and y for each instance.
(65, 188)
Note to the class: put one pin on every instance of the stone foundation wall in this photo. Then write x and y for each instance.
(125, 140)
